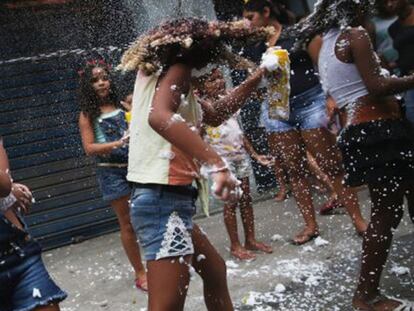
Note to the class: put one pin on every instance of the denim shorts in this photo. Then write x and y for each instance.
(163, 220)
(27, 286)
(113, 182)
(307, 111)
(409, 105)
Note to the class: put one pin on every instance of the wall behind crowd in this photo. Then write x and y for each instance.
(44, 45)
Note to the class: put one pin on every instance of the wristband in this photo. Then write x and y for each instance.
(7, 202)
(215, 170)
(207, 170)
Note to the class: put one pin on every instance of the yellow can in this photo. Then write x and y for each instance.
(279, 86)
(128, 117)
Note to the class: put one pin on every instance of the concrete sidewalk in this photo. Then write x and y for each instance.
(318, 276)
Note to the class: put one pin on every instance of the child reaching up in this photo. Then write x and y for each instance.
(230, 143)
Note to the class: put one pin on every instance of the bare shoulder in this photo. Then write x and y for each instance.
(84, 119)
(358, 35)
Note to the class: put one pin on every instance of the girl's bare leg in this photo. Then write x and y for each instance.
(281, 180)
(128, 237)
(211, 267)
(247, 216)
(230, 220)
(168, 281)
(321, 144)
(386, 214)
(291, 149)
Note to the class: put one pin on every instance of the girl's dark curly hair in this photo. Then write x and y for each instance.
(185, 39)
(329, 14)
(89, 102)
(277, 9)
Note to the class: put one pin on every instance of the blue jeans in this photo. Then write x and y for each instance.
(307, 111)
(162, 220)
(27, 286)
(113, 183)
(409, 105)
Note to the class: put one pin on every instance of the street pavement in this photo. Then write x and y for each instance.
(320, 275)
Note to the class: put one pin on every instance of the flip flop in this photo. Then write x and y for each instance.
(405, 305)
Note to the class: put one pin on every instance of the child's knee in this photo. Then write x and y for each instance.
(218, 275)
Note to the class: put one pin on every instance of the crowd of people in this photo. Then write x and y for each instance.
(155, 149)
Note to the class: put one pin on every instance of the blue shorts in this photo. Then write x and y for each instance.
(113, 183)
(27, 286)
(163, 220)
(307, 112)
(409, 105)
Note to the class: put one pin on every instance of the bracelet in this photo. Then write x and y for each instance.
(207, 170)
(7, 202)
(215, 170)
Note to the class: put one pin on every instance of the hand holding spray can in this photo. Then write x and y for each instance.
(276, 60)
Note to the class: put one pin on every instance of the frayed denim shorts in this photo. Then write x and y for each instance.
(162, 217)
(27, 286)
(113, 182)
(307, 112)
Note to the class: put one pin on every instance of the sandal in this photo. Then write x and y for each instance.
(329, 206)
(405, 305)
(142, 284)
(305, 237)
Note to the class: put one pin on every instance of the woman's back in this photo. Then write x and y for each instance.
(339, 79)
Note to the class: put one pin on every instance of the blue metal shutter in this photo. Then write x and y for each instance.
(38, 122)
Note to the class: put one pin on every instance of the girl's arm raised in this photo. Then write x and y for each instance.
(367, 63)
(163, 120)
(88, 139)
(219, 111)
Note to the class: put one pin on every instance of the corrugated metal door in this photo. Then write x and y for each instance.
(39, 111)
(38, 122)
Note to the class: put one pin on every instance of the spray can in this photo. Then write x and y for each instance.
(279, 86)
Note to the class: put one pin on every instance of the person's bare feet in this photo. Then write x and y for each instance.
(361, 227)
(239, 252)
(305, 236)
(258, 246)
(360, 305)
(281, 195)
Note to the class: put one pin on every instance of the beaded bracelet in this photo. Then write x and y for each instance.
(7, 202)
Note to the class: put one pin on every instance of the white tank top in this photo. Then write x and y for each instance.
(340, 80)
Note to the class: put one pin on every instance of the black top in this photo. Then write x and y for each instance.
(303, 76)
(403, 38)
